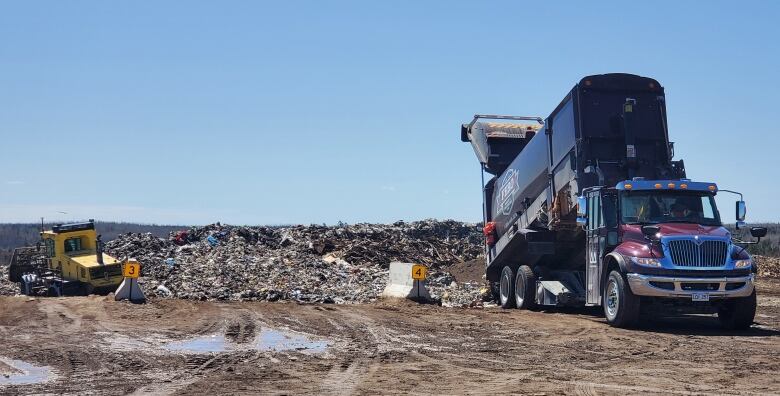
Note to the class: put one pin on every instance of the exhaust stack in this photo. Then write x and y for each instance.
(99, 249)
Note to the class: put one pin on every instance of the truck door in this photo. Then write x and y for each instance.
(595, 235)
(601, 238)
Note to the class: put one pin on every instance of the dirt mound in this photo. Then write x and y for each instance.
(468, 271)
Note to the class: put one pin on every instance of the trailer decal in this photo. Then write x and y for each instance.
(507, 191)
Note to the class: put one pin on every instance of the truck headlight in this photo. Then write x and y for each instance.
(746, 263)
(645, 261)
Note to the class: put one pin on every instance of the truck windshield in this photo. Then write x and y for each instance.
(650, 207)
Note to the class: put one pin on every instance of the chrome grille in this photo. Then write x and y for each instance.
(686, 253)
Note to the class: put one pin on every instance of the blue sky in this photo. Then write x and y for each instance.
(310, 112)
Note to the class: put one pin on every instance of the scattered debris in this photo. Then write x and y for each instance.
(768, 266)
(163, 291)
(7, 288)
(466, 294)
(339, 264)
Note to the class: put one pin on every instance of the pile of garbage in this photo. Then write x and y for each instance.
(7, 287)
(768, 266)
(329, 264)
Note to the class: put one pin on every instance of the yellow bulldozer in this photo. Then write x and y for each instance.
(68, 260)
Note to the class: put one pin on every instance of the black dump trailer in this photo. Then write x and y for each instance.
(608, 128)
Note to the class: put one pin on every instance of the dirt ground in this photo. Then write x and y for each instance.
(93, 345)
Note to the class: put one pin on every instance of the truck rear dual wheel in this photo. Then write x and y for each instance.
(506, 288)
(621, 306)
(517, 289)
(525, 288)
(738, 313)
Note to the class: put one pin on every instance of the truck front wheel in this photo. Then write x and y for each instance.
(738, 313)
(621, 307)
(506, 288)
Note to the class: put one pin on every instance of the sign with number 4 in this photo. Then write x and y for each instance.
(419, 272)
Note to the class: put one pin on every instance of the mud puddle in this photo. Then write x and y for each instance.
(18, 372)
(276, 340)
(205, 344)
(269, 340)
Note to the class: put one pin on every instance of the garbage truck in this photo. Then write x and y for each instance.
(587, 207)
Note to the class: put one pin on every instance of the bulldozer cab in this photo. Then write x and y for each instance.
(68, 260)
(73, 250)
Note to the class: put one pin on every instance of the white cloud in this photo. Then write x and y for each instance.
(387, 188)
(14, 182)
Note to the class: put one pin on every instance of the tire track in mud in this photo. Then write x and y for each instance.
(239, 327)
(394, 349)
(693, 390)
(343, 378)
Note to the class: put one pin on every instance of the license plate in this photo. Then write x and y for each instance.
(700, 297)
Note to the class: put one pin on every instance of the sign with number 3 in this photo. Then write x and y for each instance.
(132, 270)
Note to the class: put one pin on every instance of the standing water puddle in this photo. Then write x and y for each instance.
(17, 372)
(268, 340)
(275, 340)
(205, 344)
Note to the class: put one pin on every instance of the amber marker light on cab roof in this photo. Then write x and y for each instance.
(670, 185)
(683, 185)
(657, 185)
(712, 188)
(627, 186)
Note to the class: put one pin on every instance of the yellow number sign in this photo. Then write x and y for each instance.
(419, 272)
(132, 270)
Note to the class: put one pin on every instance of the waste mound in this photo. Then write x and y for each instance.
(328, 264)
(768, 266)
(7, 288)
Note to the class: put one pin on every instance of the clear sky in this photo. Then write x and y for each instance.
(251, 112)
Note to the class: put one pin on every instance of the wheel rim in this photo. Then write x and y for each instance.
(519, 291)
(613, 299)
(504, 289)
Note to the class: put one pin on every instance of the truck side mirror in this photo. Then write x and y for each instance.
(758, 232)
(650, 231)
(582, 211)
(741, 210)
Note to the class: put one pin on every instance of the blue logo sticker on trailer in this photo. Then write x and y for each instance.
(506, 193)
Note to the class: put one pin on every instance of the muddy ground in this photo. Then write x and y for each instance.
(93, 345)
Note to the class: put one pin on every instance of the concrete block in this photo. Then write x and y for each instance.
(401, 285)
(129, 290)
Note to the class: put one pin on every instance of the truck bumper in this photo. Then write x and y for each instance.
(684, 287)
